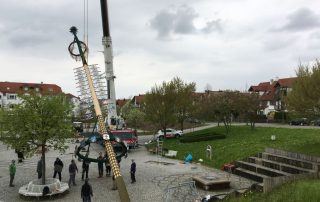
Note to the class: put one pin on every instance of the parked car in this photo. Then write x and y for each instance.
(316, 122)
(299, 122)
(192, 120)
(170, 133)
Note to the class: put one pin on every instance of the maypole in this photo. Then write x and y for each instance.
(102, 128)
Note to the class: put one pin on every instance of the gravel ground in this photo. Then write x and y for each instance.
(153, 178)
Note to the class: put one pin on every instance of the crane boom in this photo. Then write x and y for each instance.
(112, 118)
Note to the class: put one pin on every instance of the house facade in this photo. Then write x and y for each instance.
(272, 94)
(10, 93)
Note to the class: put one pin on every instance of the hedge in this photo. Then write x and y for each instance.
(201, 137)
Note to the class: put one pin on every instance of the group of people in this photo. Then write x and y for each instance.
(86, 190)
(58, 165)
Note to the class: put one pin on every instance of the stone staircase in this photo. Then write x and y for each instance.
(273, 163)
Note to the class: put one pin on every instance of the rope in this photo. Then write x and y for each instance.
(86, 25)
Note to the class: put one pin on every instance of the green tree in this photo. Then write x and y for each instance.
(134, 116)
(159, 105)
(223, 108)
(305, 95)
(184, 103)
(247, 105)
(39, 122)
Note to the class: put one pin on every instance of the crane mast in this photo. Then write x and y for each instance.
(112, 118)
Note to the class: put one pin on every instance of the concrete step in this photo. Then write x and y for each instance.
(250, 175)
(289, 161)
(279, 166)
(261, 169)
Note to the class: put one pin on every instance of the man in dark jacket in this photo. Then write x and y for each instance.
(100, 164)
(39, 168)
(86, 191)
(72, 172)
(58, 165)
(133, 171)
(108, 166)
(85, 168)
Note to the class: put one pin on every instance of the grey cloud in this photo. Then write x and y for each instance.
(300, 20)
(214, 25)
(183, 22)
(163, 23)
(180, 21)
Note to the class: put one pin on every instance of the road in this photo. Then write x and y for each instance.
(146, 138)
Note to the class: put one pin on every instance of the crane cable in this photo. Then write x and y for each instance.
(86, 25)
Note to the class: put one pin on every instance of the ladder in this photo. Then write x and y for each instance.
(159, 149)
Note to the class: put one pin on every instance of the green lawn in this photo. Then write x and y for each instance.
(298, 191)
(242, 142)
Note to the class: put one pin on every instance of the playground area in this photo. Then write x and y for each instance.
(158, 178)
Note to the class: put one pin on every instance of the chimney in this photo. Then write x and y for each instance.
(271, 81)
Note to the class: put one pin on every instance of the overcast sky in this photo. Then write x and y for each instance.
(227, 44)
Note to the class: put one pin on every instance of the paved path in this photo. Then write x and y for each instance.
(152, 178)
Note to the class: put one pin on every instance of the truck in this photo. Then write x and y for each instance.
(129, 137)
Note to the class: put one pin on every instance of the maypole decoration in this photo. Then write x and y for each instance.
(102, 128)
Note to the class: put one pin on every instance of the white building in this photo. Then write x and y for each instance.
(10, 92)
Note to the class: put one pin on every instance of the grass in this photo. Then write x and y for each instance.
(242, 142)
(297, 191)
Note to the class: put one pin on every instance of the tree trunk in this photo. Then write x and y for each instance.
(43, 158)
(181, 125)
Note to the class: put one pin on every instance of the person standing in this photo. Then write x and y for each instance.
(75, 151)
(20, 156)
(39, 168)
(72, 172)
(108, 166)
(85, 168)
(86, 191)
(12, 171)
(58, 165)
(133, 171)
(100, 164)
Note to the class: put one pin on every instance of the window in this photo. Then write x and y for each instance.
(37, 89)
(26, 88)
(50, 90)
(11, 97)
(0, 96)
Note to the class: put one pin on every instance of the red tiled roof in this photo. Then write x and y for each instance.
(121, 102)
(139, 99)
(264, 86)
(287, 82)
(15, 87)
(269, 89)
(71, 95)
(268, 96)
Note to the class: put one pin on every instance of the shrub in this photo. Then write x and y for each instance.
(206, 136)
